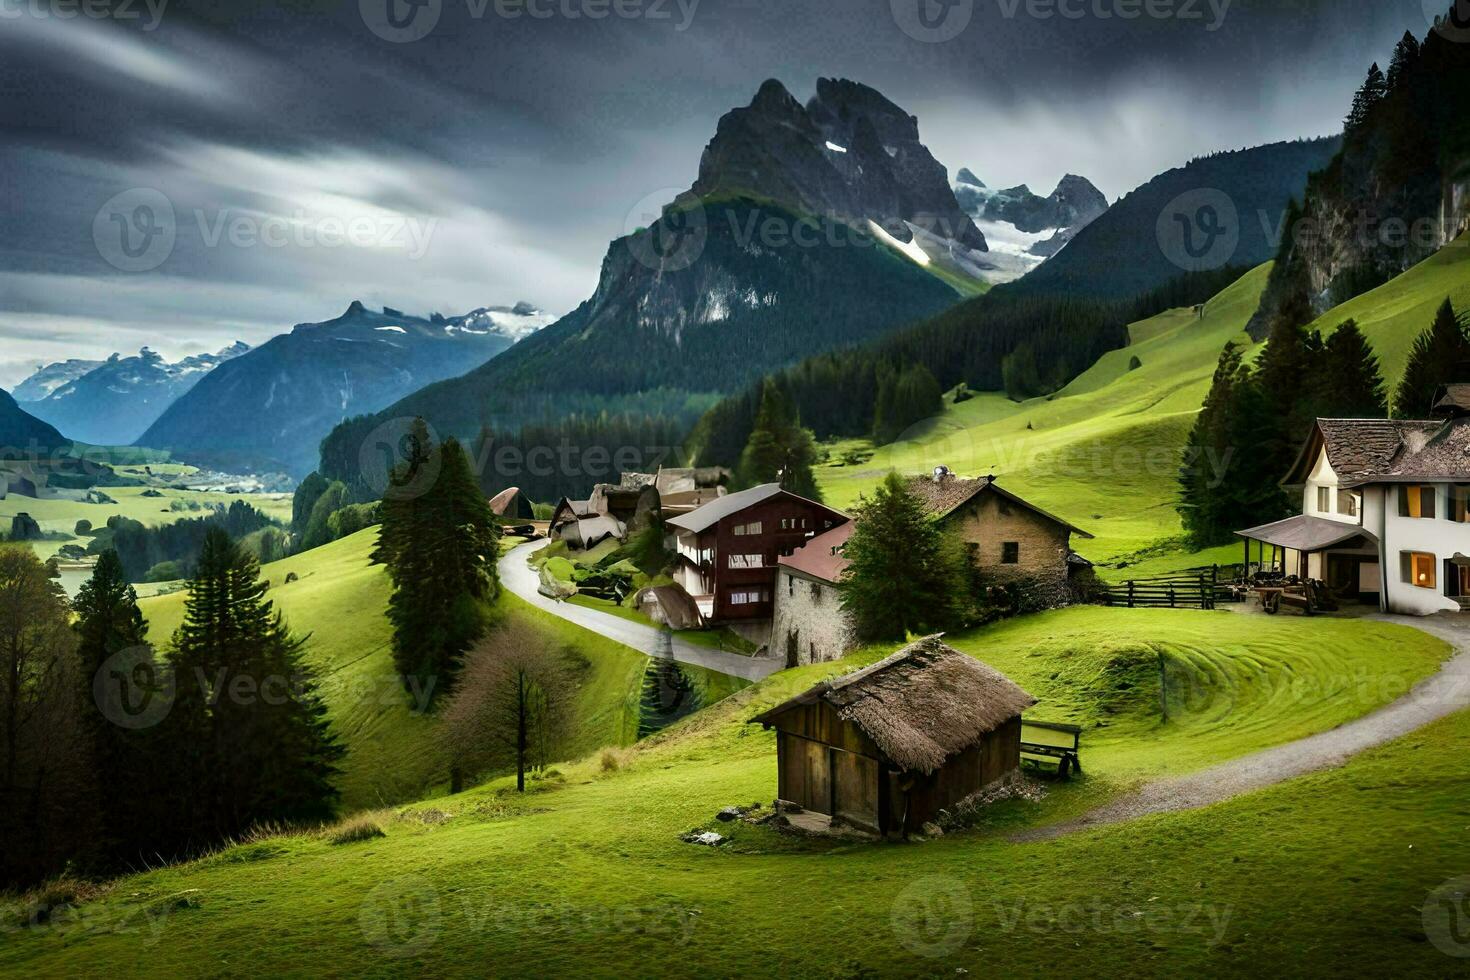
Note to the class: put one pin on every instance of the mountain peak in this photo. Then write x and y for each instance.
(355, 308)
(773, 96)
(967, 177)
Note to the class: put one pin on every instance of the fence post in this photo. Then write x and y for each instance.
(1171, 597)
(1130, 593)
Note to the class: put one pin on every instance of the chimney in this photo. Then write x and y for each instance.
(942, 473)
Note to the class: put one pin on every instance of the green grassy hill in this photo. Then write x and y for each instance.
(585, 874)
(1104, 451)
(339, 600)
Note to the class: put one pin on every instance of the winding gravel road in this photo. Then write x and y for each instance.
(1434, 698)
(524, 581)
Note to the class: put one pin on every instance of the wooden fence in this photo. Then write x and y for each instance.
(1201, 589)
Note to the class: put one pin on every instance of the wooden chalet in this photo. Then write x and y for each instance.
(728, 549)
(886, 748)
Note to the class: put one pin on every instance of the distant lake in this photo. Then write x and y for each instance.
(72, 579)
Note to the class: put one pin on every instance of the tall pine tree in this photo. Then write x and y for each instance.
(109, 623)
(779, 449)
(903, 576)
(439, 542)
(1349, 383)
(1440, 356)
(248, 735)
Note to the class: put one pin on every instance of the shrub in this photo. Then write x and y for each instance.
(83, 528)
(363, 826)
(611, 760)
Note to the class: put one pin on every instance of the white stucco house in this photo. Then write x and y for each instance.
(1384, 511)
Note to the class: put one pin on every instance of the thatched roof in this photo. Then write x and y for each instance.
(921, 705)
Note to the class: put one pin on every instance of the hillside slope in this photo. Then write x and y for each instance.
(585, 874)
(22, 435)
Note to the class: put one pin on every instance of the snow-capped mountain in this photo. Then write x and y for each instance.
(270, 408)
(1022, 228)
(47, 379)
(115, 401)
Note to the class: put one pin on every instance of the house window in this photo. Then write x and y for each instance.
(790, 587)
(1416, 502)
(1324, 500)
(816, 594)
(747, 561)
(1010, 553)
(1420, 569)
(749, 598)
(1347, 503)
(1460, 504)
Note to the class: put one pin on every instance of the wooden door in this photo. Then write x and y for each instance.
(806, 775)
(855, 789)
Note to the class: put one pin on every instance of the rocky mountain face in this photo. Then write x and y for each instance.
(269, 409)
(1397, 192)
(114, 402)
(1024, 229)
(1223, 210)
(809, 229)
(849, 155)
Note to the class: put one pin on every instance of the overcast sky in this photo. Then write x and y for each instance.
(184, 174)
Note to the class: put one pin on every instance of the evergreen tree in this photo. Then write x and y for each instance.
(902, 577)
(905, 398)
(109, 622)
(1372, 92)
(1405, 62)
(779, 449)
(438, 539)
(1349, 382)
(305, 498)
(318, 529)
(1440, 356)
(248, 734)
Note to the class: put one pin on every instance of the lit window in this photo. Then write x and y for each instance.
(1420, 569)
(1460, 504)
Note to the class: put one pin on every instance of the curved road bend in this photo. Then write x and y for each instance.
(1435, 697)
(524, 582)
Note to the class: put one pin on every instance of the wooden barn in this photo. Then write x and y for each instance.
(886, 748)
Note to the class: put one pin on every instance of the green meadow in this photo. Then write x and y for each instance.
(586, 874)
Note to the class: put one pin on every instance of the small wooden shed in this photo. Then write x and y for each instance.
(887, 747)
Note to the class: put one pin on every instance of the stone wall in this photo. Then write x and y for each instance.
(810, 625)
(989, 521)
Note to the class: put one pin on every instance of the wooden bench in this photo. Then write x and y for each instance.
(1066, 758)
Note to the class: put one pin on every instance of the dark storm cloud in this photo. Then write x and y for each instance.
(308, 161)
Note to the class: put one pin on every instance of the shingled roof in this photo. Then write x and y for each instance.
(1364, 451)
(944, 495)
(920, 706)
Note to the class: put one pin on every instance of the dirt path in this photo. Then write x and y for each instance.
(1434, 698)
(523, 580)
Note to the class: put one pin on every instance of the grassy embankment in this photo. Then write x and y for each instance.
(586, 875)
